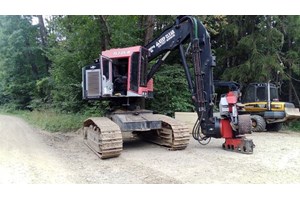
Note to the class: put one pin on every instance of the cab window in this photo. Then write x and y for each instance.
(134, 73)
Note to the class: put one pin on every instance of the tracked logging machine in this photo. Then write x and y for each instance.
(121, 76)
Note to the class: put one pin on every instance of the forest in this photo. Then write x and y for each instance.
(41, 57)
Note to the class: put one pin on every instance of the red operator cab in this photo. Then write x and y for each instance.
(123, 72)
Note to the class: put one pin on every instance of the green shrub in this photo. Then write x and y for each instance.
(294, 126)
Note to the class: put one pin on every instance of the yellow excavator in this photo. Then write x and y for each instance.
(261, 101)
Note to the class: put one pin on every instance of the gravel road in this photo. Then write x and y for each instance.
(29, 155)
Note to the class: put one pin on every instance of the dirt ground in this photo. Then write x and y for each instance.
(29, 155)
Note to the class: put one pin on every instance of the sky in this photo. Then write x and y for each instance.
(146, 7)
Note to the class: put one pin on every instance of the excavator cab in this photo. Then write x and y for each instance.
(118, 73)
(256, 92)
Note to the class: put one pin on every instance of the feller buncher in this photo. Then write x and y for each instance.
(122, 77)
(261, 101)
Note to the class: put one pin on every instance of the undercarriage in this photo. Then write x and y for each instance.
(104, 134)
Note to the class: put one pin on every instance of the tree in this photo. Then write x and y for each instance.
(41, 64)
(105, 34)
(74, 42)
(21, 60)
(171, 93)
(148, 26)
(44, 40)
(290, 55)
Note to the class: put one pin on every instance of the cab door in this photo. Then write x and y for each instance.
(106, 76)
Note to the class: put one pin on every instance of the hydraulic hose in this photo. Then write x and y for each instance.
(196, 133)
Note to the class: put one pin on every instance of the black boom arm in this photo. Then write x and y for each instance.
(189, 30)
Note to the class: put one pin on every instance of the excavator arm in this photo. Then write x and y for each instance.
(189, 31)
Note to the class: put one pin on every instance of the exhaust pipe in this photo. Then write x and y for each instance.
(269, 96)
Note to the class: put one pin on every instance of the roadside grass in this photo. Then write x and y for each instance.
(51, 120)
(294, 126)
(54, 121)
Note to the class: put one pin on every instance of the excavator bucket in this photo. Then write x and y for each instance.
(292, 114)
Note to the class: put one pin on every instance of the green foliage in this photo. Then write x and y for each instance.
(294, 126)
(44, 87)
(255, 53)
(42, 94)
(74, 43)
(125, 30)
(171, 92)
(22, 61)
(34, 76)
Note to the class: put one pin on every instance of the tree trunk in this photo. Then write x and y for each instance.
(289, 71)
(43, 31)
(295, 92)
(290, 84)
(149, 28)
(105, 34)
(30, 57)
(44, 39)
(227, 59)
